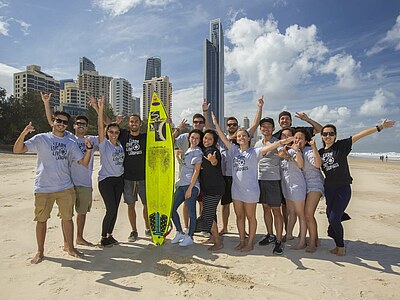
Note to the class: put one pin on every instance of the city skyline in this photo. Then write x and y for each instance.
(337, 61)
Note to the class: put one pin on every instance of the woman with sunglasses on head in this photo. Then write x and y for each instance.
(245, 187)
(111, 182)
(338, 179)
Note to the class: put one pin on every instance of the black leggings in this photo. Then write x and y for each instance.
(111, 190)
(210, 203)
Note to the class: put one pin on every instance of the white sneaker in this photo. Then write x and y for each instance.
(178, 238)
(205, 234)
(186, 241)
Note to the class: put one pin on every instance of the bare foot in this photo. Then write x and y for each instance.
(38, 258)
(209, 241)
(247, 248)
(241, 245)
(311, 249)
(75, 253)
(334, 250)
(287, 238)
(84, 242)
(222, 232)
(341, 251)
(299, 246)
(216, 247)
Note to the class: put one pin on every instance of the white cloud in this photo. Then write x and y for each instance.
(345, 68)
(186, 102)
(323, 114)
(120, 7)
(6, 77)
(3, 4)
(24, 26)
(392, 39)
(379, 105)
(4, 27)
(272, 63)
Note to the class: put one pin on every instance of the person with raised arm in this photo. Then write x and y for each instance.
(111, 182)
(55, 152)
(337, 177)
(81, 176)
(245, 188)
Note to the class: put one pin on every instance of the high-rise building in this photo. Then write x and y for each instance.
(96, 85)
(34, 80)
(246, 122)
(121, 96)
(135, 105)
(85, 64)
(72, 99)
(213, 88)
(153, 68)
(163, 87)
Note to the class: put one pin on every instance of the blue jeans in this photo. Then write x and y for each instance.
(179, 198)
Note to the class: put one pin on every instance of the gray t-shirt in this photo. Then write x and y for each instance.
(192, 156)
(293, 182)
(81, 175)
(245, 186)
(226, 161)
(111, 160)
(54, 156)
(182, 141)
(269, 165)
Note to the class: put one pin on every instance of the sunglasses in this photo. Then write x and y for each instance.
(60, 121)
(113, 132)
(329, 133)
(198, 122)
(232, 124)
(83, 124)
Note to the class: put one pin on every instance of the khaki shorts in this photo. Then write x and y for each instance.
(44, 204)
(83, 201)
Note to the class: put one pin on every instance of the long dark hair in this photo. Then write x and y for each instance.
(328, 126)
(113, 124)
(214, 134)
(199, 132)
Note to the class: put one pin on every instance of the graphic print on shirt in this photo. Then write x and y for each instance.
(82, 147)
(133, 147)
(329, 161)
(59, 150)
(118, 156)
(239, 163)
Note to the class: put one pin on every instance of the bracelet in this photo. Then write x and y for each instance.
(378, 128)
(89, 148)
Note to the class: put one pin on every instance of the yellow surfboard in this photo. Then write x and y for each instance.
(159, 170)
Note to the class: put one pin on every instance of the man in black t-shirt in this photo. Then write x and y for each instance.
(134, 144)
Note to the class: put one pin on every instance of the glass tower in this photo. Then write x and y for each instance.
(153, 68)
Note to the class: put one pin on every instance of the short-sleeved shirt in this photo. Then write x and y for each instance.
(182, 141)
(211, 180)
(245, 186)
(309, 129)
(312, 175)
(269, 164)
(192, 156)
(111, 160)
(135, 155)
(335, 165)
(54, 156)
(81, 175)
(226, 158)
(293, 182)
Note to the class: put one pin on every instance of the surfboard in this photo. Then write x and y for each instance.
(160, 173)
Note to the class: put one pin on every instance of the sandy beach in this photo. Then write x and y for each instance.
(370, 270)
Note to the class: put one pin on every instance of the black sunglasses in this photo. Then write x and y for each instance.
(232, 124)
(198, 122)
(83, 124)
(330, 133)
(59, 121)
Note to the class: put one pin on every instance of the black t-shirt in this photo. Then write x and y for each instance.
(135, 155)
(335, 165)
(211, 179)
(309, 129)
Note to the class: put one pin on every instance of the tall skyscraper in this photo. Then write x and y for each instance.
(121, 96)
(213, 88)
(85, 64)
(246, 122)
(153, 68)
(135, 105)
(163, 88)
(34, 80)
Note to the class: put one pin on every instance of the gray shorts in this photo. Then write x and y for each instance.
(270, 192)
(132, 189)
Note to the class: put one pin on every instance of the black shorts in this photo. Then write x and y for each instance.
(270, 192)
(227, 197)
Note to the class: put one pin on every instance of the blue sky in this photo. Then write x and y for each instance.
(339, 61)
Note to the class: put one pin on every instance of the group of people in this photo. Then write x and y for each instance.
(282, 172)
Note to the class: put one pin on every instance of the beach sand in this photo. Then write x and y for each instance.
(370, 270)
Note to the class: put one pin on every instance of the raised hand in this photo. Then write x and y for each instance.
(387, 123)
(45, 97)
(205, 106)
(88, 143)
(312, 144)
(119, 119)
(302, 116)
(28, 129)
(260, 102)
(182, 124)
(212, 158)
